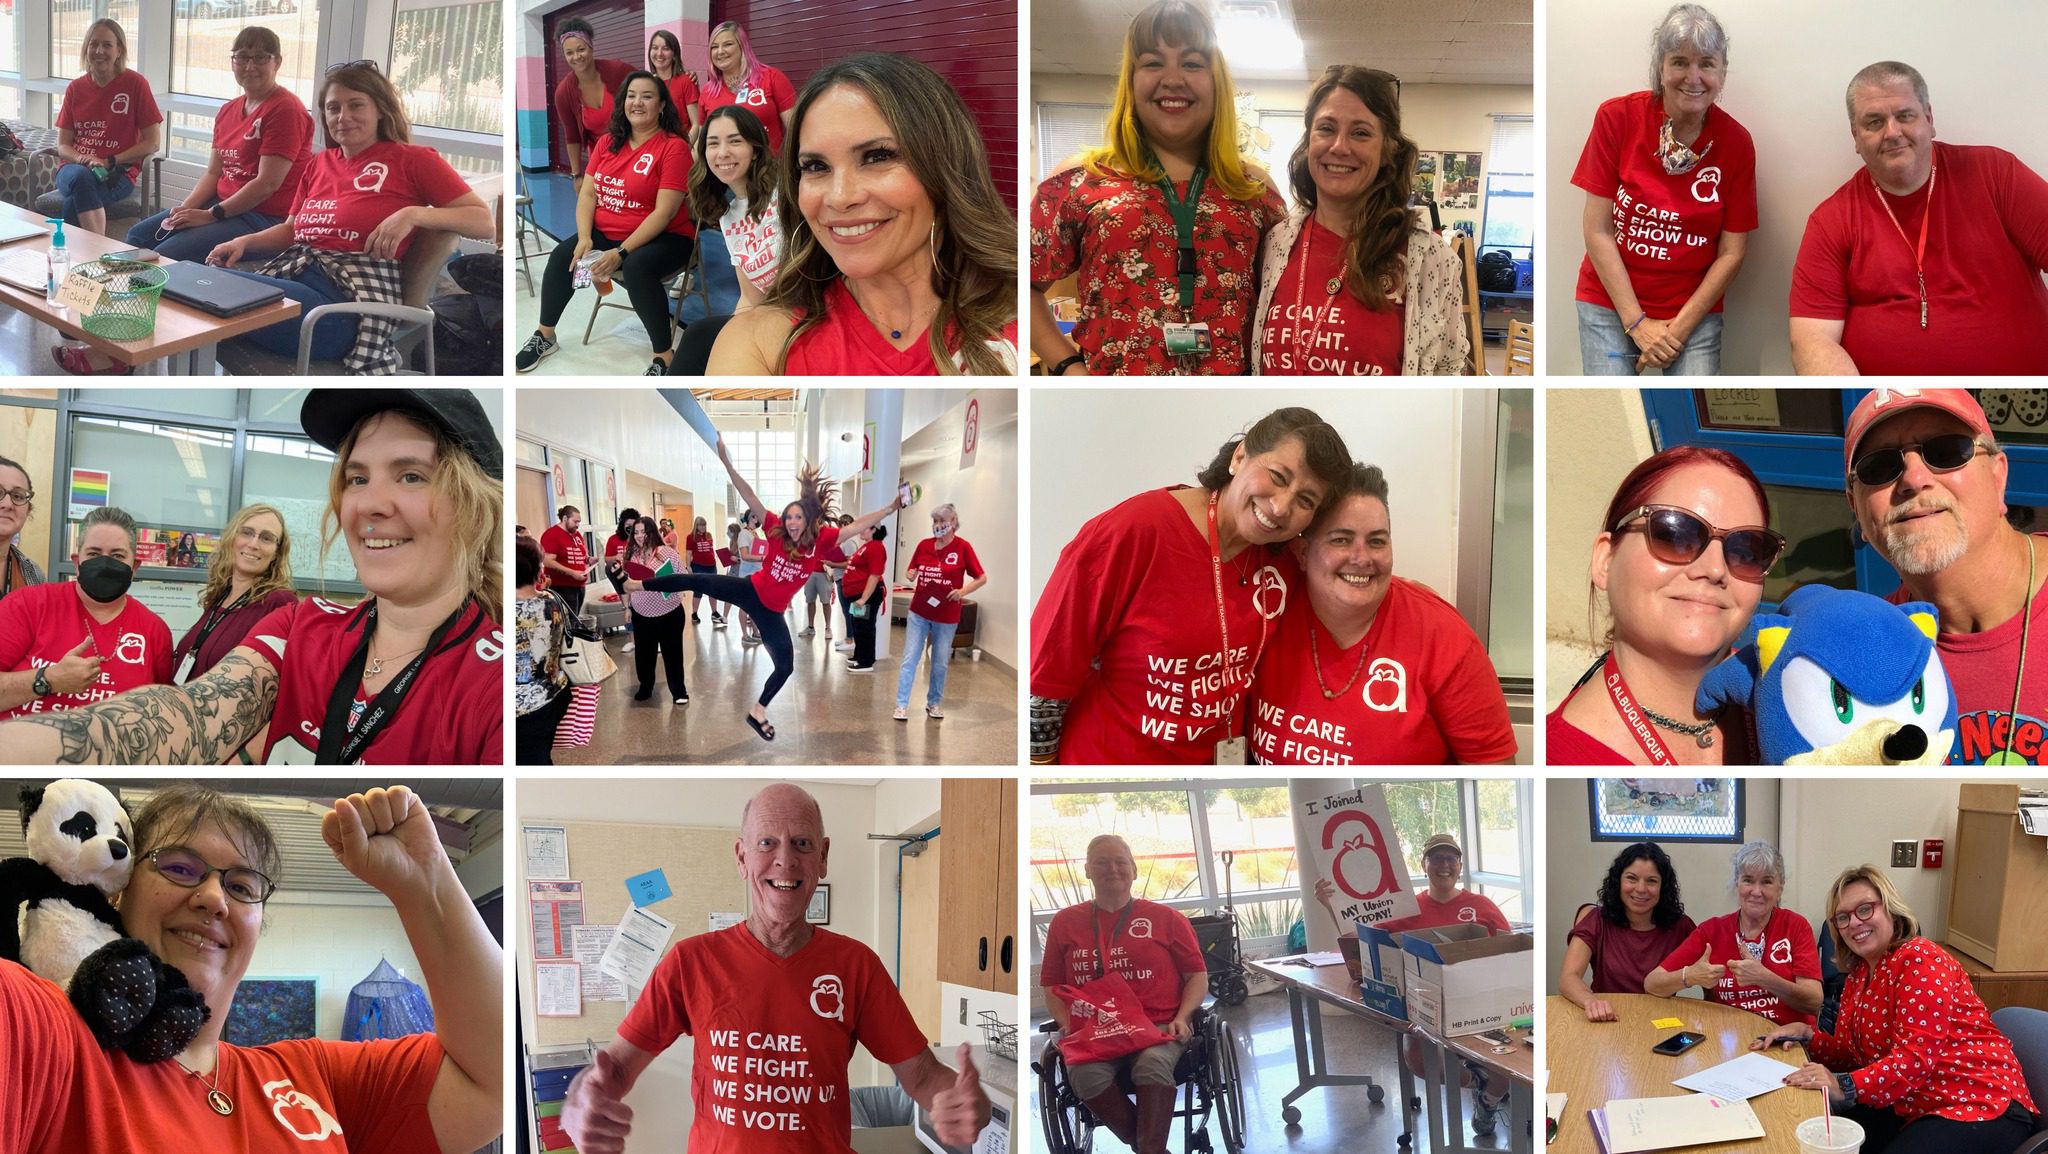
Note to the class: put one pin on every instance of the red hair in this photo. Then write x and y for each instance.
(1643, 480)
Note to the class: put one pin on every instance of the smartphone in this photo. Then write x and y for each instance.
(1678, 1043)
(903, 494)
(134, 256)
(1497, 1037)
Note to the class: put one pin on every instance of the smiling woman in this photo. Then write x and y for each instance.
(249, 577)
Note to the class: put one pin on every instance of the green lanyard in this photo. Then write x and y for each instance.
(1184, 232)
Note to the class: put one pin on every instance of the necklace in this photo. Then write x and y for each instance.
(1317, 661)
(377, 663)
(215, 1096)
(1702, 732)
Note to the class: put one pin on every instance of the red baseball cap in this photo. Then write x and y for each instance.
(1882, 404)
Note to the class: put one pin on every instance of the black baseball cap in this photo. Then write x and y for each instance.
(328, 414)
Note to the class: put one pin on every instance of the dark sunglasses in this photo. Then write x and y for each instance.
(1677, 537)
(1943, 454)
(370, 64)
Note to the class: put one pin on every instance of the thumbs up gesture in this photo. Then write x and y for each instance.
(595, 1115)
(960, 1110)
(1704, 972)
(76, 671)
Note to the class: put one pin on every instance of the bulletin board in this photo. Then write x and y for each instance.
(602, 855)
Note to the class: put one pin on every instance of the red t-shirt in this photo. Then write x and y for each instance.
(1425, 692)
(781, 575)
(1116, 235)
(568, 549)
(846, 344)
(1787, 949)
(683, 91)
(65, 1095)
(1567, 744)
(109, 121)
(1667, 227)
(1916, 1039)
(1981, 667)
(221, 640)
(581, 124)
(1312, 332)
(938, 572)
(768, 97)
(773, 1036)
(1986, 247)
(41, 623)
(1466, 907)
(1127, 631)
(1623, 957)
(629, 180)
(1155, 952)
(453, 714)
(278, 127)
(343, 199)
(870, 560)
(703, 550)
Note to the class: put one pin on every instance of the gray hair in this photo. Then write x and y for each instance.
(109, 515)
(947, 508)
(1882, 73)
(1685, 24)
(1756, 856)
(1100, 838)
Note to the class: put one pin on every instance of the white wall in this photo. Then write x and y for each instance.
(335, 940)
(1788, 67)
(1095, 448)
(1606, 433)
(624, 429)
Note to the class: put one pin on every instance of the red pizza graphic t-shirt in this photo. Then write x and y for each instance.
(109, 121)
(1787, 949)
(781, 575)
(1310, 331)
(773, 1036)
(1421, 690)
(1154, 951)
(629, 178)
(767, 97)
(241, 138)
(453, 713)
(41, 623)
(939, 572)
(305, 1096)
(344, 198)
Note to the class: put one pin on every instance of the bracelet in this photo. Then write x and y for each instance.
(1060, 370)
(1639, 320)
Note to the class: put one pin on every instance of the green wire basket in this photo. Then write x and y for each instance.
(127, 308)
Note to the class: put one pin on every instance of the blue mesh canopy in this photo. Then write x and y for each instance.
(386, 1005)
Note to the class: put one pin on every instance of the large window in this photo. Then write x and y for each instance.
(70, 18)
(1511, 188)
(448, 63)
(292, 473)
(171, 477)
(203, 37)
(767, 459)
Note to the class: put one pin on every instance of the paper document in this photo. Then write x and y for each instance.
(1330, 958)
(632, 952)
(1634, 1125)
(547, 853)
(590, 943)
(1739, 1078)
(558, 990)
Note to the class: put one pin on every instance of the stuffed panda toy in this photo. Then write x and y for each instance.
(77, 834)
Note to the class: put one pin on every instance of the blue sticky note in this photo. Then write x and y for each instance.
(648, 888)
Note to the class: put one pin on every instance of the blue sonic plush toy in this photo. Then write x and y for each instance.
(1837, 677)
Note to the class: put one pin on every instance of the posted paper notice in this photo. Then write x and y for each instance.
(633, 951)
(590, 943)
(547, 852)
(557, 990)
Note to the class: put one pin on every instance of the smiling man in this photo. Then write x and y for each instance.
(775, 1007)
(69, 645)
(1927, 484)
(1927, 261)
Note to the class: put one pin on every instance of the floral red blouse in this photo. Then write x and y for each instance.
(1914, 1037)
(1117, 233)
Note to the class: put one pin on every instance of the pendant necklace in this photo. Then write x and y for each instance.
(1316, 660)
(376, 666)
(215, 1096)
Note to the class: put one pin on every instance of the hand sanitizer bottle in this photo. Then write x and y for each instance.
(60, 261)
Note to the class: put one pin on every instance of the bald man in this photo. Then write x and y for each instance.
(775, 1006)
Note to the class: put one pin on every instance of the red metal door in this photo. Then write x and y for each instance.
(620, 28)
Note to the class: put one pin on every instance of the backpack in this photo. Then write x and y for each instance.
(1497, 271)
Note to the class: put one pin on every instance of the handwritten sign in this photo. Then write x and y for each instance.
(1356, 847)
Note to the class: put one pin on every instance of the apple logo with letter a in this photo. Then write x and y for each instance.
(292, 1106)
(828, 997)
(372, 177)
(1269, 596)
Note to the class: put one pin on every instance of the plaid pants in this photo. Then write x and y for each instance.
(364, 278)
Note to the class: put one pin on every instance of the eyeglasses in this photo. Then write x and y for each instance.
(17, 496)
(182, 867)
(1861, 913)
(241, 58)
(369, 64)
(1677, 537)
(1943, 454)
(251, 533)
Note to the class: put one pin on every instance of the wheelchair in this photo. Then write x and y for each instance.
(1207, 1078)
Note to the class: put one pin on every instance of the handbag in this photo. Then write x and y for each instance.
(1107, 1021)
(584, 659)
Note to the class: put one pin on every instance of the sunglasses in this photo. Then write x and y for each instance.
(370, 64)
(1943, 454)
(1678, 537)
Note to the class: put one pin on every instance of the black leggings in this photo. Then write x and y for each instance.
(741, 593)
(693, 348)
(645, 274)
(1887, 1133)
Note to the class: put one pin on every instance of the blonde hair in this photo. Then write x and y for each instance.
(120, 42)
(220, 573)
(476, 499)
(1904, 925)
(1125, 151)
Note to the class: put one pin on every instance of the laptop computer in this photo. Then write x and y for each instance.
(14, 228)
(215, 290)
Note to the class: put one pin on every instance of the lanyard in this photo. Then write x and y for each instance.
(1101, 951)
(340, 745)
(1223, 619)
(1638, 726)
(1919, 250)
(1184, 232)
(214, 617)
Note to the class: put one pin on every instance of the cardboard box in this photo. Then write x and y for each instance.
(1379, 956)
(1460, 980)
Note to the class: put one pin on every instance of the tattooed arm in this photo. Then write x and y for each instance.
(201, 722)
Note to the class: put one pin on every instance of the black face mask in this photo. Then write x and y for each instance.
(104, 579)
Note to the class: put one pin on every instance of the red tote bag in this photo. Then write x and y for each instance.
(1107, 1021)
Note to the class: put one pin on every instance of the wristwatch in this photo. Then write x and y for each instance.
(41, 685)
(217, 213)
(1847, 1086)
(1060, 370)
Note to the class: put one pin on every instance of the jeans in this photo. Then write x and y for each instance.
(696, 568)
(940, 634)
(572, 596)
(1601, 333)
(83, 192)
(194, 243)
(333, 337)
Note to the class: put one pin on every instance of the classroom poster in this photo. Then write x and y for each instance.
(557, 909)
(1356, 847)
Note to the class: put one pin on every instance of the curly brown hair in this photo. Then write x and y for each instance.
(1376, 253)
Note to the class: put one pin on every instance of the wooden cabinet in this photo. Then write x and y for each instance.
(1998, 883)
(978, 944)
(2001, 989)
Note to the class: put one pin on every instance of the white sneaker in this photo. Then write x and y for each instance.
(844, 647)
(628, 648)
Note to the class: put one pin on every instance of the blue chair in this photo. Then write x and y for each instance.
(2027, 1028)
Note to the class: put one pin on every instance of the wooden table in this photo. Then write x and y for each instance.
(184, 337)
(1595, 1062)
(1447, 1110)
(1309, 989)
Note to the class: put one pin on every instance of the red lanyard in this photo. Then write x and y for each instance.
(1223, 619)
(1102, 951)
(1638, 725)
(1920, 250)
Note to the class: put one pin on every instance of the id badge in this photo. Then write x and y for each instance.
(1188, 340)
(1232, 751)
(184, 669)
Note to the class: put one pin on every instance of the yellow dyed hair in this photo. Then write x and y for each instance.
(1182, 25)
